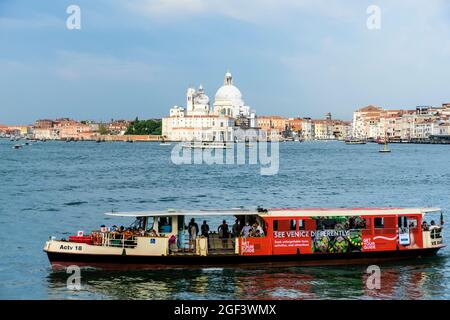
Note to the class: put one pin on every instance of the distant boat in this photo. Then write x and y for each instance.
(206, 146)
(165, 144)
(355, 141)
(17, 146)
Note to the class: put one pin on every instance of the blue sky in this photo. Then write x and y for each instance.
(288, 57)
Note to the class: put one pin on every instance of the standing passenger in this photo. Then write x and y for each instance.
(223, 234)
(205, 231)
(236, 229)
(193, 232)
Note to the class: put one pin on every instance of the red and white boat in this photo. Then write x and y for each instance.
(286, 236)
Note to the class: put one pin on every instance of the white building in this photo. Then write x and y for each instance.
(201, 122)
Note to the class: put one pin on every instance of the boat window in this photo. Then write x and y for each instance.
(325, 224)
(275, 225)
(180, 223)
(165, 225)
(301, 224)
(378, 222)
(412, 222)
(284, 225)
(293, 225)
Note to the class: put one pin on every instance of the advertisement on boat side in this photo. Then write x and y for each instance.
(337, 235)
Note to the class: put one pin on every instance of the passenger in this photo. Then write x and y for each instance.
(246, 230)
(193, 232)
(433, 225)
(224, 233)
(205, 231)
(259, 230)
(141, 232)
(425, 226)
(257, 234)
(236, 230)
(172, 243)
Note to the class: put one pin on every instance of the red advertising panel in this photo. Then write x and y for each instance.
(255, 246)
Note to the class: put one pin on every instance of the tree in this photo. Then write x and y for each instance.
(145, 127)
(102, 129)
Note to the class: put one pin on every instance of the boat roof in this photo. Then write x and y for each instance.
(278, 212)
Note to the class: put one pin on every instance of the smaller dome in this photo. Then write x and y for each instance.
(201, 98)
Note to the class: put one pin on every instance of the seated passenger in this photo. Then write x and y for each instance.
(153, 233)
(245, 232)
(259, 230)
(433, 225)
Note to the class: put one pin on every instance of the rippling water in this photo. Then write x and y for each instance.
(57, 188)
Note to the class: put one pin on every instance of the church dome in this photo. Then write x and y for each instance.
(201, 99)
(228, 92)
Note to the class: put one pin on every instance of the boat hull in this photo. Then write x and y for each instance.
(62, 260)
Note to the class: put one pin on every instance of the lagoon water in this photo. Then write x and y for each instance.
(57, 188)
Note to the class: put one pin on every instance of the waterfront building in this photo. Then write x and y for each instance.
(45, 133)
(323, 130)
(308, 129)
(117, 126)
(43, 124)
(273, 126)
(198, 121)
(400, 124)
(71, 129)
(342, 129)
(295, 125)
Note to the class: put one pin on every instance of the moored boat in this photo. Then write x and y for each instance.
(295, 236)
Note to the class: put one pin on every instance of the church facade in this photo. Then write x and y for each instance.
(200, 121)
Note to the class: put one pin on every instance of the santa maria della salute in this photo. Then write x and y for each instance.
(200, 122)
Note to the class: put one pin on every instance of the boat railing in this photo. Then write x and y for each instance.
(112, 239)
(433, 237)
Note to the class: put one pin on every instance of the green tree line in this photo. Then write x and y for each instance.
(145, 127)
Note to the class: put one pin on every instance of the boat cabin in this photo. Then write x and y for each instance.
(268, 232)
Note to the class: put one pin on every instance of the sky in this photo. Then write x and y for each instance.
(288, 57)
